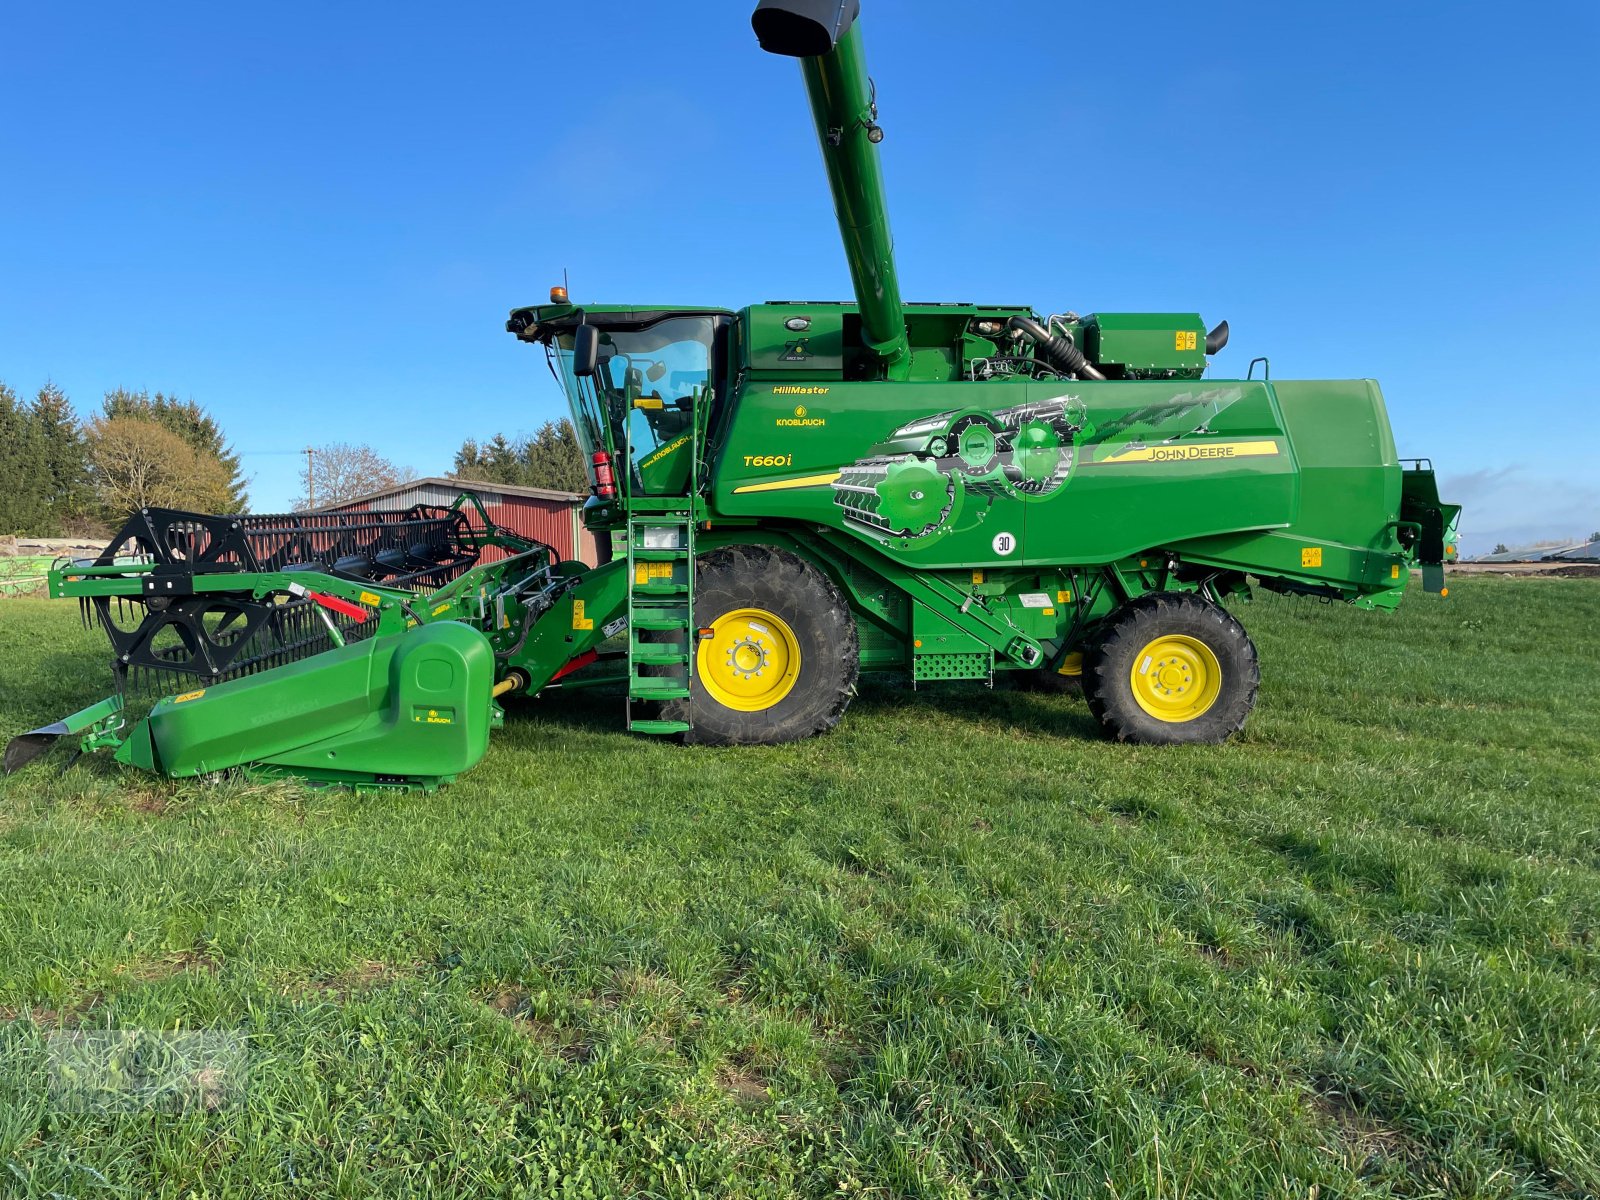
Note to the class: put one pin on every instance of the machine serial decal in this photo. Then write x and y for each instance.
(1190, 452)
(779, 485)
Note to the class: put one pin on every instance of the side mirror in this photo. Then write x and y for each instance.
(585, 350)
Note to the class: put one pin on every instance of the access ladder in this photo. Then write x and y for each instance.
(661, 635)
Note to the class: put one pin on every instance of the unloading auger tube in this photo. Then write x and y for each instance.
(823, 35)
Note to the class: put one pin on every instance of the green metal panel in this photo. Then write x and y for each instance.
(816, 348)
(1146, 464)
(1147, 342)
(941, 651)
(406, 707)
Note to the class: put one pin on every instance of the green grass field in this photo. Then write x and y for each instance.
(958, 948)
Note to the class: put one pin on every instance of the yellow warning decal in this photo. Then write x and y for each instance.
(1311, 556)
(1394, 571)
(579, 621)
(977, 578)
(371, 599)
(188, 696)
(1064, 596)
(646, 571)
(649, 402)
(780, 485)
(1185, 339)
(1191, 452)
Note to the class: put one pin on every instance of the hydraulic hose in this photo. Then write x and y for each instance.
(1060, 352)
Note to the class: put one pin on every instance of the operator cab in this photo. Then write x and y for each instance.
(634, 380)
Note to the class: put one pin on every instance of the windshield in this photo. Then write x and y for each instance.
(644, 390)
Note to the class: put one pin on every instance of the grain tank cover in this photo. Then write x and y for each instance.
(803, 28)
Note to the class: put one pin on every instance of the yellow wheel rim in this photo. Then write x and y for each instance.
(1176, 678)
(751, 660)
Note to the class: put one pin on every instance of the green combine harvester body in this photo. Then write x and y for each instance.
(803, 491)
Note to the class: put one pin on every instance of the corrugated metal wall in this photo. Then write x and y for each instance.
(554, 522)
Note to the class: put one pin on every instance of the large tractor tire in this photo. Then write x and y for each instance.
(778, 653)
(1171, 669)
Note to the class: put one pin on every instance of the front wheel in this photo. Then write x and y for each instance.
(1172, 668)
(777, 653)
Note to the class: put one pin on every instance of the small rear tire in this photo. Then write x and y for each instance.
(782, 656)
(1172, 669)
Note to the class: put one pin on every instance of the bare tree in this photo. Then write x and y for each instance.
(339, 472)
(139, 464)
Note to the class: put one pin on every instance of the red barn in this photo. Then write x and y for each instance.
(553, 518)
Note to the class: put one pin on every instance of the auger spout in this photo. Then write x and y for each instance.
(823, 35)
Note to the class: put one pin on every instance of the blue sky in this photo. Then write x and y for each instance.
(312, 219)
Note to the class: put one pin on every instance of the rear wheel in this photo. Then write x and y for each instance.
(777, 656)
(1172, 668)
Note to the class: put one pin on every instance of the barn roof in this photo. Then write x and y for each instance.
(460, 485)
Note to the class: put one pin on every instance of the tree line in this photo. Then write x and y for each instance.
(550, 458)
(60, 475)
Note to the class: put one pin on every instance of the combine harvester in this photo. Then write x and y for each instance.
(808, 491)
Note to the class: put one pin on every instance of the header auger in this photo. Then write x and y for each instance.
(805, 491)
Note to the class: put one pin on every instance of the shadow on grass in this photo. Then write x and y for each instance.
(600, 711)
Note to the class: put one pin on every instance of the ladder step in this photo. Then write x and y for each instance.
(659, 624)
(658, 658)
(661, 689)
(641, 555)
(659, 727)
(660, 589)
